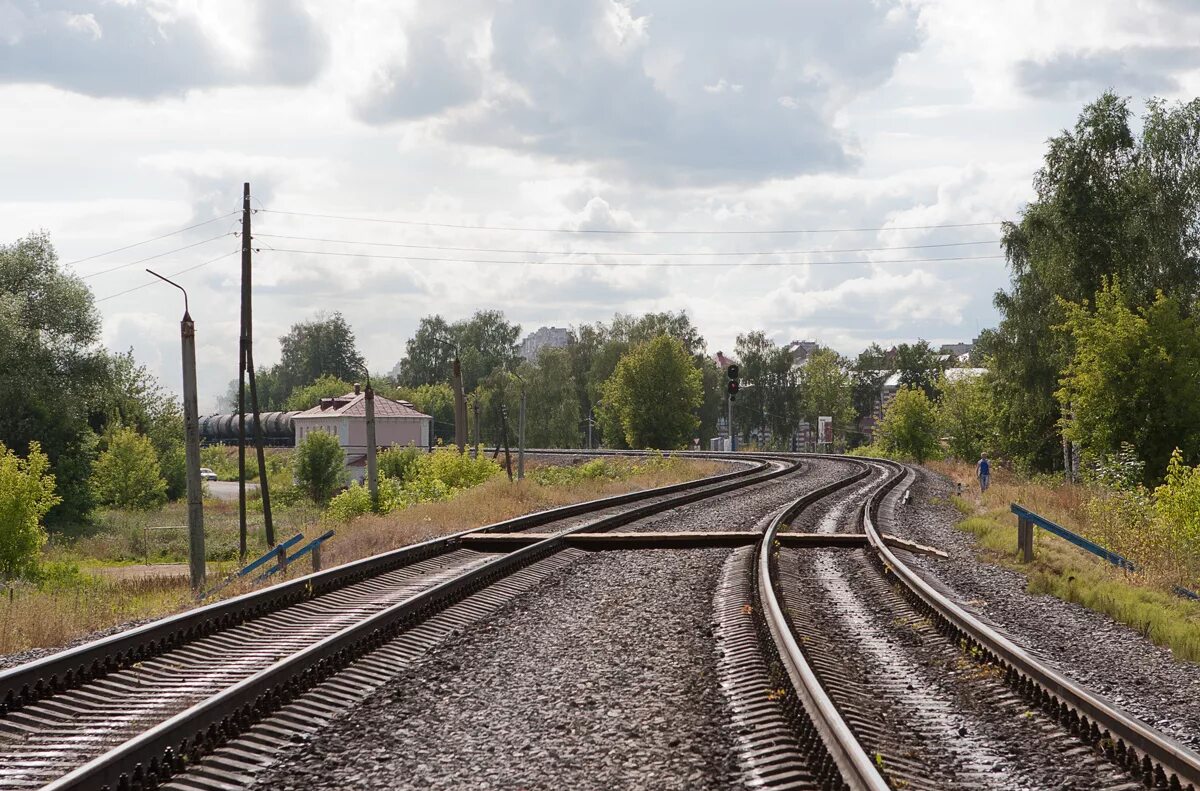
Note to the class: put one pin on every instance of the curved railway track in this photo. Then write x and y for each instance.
(131, 710)
(836, 705)
(207, 690)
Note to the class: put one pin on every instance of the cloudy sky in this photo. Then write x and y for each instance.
(785, 166)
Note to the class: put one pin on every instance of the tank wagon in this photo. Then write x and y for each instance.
(223, 429)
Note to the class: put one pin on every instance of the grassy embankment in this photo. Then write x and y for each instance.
(72, 601)
(1142, 601)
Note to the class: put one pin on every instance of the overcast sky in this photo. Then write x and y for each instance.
(124, 120)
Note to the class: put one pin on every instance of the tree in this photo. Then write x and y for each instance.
(869, 374)
(826, 389)
(1108, 203)
(754, 351)
(26, 496)
(1133, 377)
(909, 426)
(49, 326)
(551, 409)
(309, 395)
(653, 395)
(134, 398)
(918, 365)
(323, 346)
(712, 408)
(965, 415)
(127, 475)
(427, 360)
(320, 466)
(487, 342)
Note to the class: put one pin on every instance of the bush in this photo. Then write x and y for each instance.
(400, 464)
(432, 477)
(26, 494)
(320, 466)
(127, 475)
(909, 426)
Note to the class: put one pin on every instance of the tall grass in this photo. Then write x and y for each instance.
(1143, 601)
(69, 602)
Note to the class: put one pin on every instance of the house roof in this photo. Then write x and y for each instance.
(352, 405)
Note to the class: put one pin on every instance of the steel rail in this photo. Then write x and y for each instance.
(68, 669)
(158, 752)
(853, 765)
(1126, 740)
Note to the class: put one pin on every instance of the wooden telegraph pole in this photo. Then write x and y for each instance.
(246, 371)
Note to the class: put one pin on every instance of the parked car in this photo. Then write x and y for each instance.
(207, 475)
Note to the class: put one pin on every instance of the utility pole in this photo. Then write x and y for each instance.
(247, 373)
(591, 418)
(372, 467)
(504, 434)
(729, 401)
(191, 428)
(521, 438)
(243, 345)
(475, 402)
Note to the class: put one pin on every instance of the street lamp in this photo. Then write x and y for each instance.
(191, 426)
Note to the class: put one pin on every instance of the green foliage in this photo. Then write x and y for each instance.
(1109, 204)
(26, 496)
(436, 476)
(218, 459)
(309, 395)
(918, 366)
(400, 464)
(320, 466)
(127, 474)
(1133, 377)
(869, 373)
(909, 426)
(653, 395)
(551, 411)
(134, 398)
(827, 389)
(51, 369)
(593, 470)
(485, 342)
(965, 416)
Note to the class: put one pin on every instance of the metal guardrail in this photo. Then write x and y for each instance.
(1025, 542)
(1162, 760)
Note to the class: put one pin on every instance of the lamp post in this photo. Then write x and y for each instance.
(191, 425)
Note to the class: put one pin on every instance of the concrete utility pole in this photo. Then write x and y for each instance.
(372, 467)
(243, 345)
(475, 403)
(191, 428)
(730, 423)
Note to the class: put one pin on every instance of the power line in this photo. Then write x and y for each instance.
(173, 274)
(634, 265)
(622, 231)
(152, 257)
(148, 241)
(618, 252)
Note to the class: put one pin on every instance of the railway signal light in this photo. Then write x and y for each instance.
(732, 387)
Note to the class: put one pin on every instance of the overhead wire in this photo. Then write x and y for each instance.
(639, 264)
(697, 232)
(183, 271)
(148, 241)
(260, 235)
(152, 257)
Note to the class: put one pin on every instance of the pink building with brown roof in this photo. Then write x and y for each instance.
(396, 423)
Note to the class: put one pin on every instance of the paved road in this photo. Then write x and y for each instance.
(227, 490)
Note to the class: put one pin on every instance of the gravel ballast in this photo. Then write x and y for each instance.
(1107, 657)
(604, 679)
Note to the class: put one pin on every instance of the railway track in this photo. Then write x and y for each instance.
(132, 710)
(869, 670)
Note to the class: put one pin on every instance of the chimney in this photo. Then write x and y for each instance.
(357, 389)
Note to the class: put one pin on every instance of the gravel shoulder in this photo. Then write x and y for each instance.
(604, 679)
(1092, 649)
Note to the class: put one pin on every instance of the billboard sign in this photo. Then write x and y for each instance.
(825, 430)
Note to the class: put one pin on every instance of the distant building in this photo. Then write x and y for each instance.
(345, 417)
(722, 361)
(800, 350)
(544, 338)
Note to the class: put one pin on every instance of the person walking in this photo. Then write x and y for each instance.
(983, 470)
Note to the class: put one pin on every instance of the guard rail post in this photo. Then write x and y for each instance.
(1025, 539)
